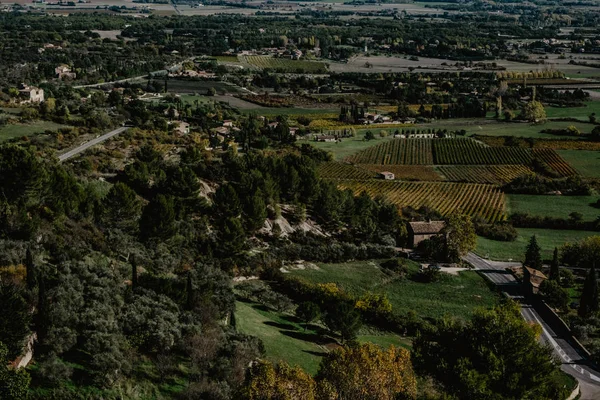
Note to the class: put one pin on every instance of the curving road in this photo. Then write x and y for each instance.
(93, 142)
(573, 362)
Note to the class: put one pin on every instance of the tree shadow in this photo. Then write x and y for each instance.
(306, 336)
(292, 318)
(319, 330)
(244, 300)
(261, 307)
(315, 353)
(280, 325)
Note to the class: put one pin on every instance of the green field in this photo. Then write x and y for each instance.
(455, 295)
(574, 112)
(286, 65)
(286, 340)
(17, 130)
(491, 127)
(349, 145)
(291, 111)
(547, 239)
(553, 206)
(200, 87)
(586, 162)
(227, 59)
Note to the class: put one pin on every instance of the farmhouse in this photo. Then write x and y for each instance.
(388, 176)
(31, 94)
(422, 230)
(532, 279)
(180, 127)
(325, 138)
(64, 71)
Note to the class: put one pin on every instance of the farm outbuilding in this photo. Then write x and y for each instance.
(389, 176)
(423, 230)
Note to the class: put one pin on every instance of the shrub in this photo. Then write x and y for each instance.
(396, 265)
(501, 231)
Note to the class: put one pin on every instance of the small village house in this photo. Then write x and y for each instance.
(423, 230)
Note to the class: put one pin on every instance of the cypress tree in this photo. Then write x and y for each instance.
(134, 274)
(189, 289)
(589, 296)
(554, 267)
(533, 256)
(30, 267)
(41, 320)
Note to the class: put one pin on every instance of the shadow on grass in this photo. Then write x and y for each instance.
(292, 318)
(315, 353)
(280, 325)
(261, 307)
(307, 337)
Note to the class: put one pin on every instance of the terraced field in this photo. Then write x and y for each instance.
(485, 201)
(494, 174)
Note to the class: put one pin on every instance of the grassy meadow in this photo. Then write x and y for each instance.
(455, 295)
(586, 162)
(552, 206)
(548, 239)
(574, 112)
(285, 338)
(349, 146)
(17, 130)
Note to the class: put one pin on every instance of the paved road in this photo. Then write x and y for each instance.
(93, 142)
(573, 362)
(495, 271)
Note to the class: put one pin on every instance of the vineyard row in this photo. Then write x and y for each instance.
(484, 201)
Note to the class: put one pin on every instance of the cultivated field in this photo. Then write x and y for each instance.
(494, 174)
(285, 65)
(198, 86)
(554, 161)
(397, 151)
(461, 152)
(555, 144)
(471, 152)
(406, 172)
(338, 170)
(485, 201)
